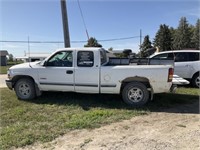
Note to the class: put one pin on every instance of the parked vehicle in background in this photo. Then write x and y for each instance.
(186, 64)
(89, 70)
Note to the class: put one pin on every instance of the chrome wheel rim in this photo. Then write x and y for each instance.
(135, 94)
(197, 81)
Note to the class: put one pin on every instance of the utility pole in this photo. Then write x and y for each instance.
(65, 23)
(140, 43)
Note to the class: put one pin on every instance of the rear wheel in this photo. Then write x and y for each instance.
(196, 80)
(25, 89)
(135, 94)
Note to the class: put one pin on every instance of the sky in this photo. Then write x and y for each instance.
(41, 20)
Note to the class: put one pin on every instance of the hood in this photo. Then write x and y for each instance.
(24, 65)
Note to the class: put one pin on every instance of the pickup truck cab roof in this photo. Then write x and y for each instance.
(83, 48)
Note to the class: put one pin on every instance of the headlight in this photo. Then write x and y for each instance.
(9, 74)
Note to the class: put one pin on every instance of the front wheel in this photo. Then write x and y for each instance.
(135, 94)
(25, 89)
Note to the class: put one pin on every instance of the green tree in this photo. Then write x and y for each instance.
(10, 58)
(92, 42)
(163, 38)
(183, 35)
(145, 45)
(172, 32)
(196, 34)
(110, 49)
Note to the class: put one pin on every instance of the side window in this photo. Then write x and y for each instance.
(161, 56)
(85, 59)
(194, 56)
(103, 57)
(61, 59)
(181, 57)
(170, 56)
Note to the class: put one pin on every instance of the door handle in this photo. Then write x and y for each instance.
(69, 72)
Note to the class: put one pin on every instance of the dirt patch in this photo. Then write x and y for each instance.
(167, 130)
(3, 77)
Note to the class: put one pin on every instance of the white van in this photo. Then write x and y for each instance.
(186, 63)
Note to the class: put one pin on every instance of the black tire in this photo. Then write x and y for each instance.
(25, 89)
(135, 94)
(196, 80)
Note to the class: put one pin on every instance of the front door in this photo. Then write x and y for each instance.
(58, 72)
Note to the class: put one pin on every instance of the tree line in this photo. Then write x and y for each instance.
(185, 36)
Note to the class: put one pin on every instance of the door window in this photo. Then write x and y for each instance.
(165, 56)
(181, 57)
(193, 56)
(85, 59)
(61, 59)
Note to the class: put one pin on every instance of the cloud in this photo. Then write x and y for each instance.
(12, 46)
(191, 12)
(195, 12)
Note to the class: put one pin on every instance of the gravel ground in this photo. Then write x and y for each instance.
(3, 77)
(175, 128)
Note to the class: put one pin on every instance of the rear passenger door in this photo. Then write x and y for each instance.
(87, 72)
(182, 66)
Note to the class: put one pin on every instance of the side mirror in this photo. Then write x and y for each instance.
(45, 63)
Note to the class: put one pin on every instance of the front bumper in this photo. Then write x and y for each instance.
(9, 84)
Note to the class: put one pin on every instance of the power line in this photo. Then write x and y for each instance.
(119, 39)
(56, 42)
(83, 19)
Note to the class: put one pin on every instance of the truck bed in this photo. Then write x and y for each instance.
(138, 61)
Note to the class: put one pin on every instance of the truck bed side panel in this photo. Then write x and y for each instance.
(112, 77)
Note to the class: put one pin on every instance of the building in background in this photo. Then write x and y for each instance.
(33, 57)
(3, 54)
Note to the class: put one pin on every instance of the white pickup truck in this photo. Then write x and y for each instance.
(89, 70)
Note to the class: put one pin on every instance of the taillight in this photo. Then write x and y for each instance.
(170, 74)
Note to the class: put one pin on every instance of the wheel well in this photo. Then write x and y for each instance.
(16, 78)
(198, 72)
(143, 80)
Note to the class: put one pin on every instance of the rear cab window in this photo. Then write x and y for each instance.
(103, 57)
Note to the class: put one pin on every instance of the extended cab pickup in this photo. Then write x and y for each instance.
(89, 70)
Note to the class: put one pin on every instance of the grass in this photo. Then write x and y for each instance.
(3, 69)
(54, 114)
